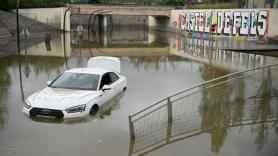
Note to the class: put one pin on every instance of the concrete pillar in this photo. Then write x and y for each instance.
(105, 21)
(105, 38)
(103, 26)
(66, 42)
(151, 22)
(151, 38)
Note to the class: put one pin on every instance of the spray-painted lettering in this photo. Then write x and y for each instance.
(228, 22)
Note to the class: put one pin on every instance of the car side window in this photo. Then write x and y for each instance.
(113, 77)
(105, 80)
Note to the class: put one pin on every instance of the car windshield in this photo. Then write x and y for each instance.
(80, 81)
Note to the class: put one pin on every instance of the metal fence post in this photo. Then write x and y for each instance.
(237, 90)
(132, 135)
(170, 119)
(131, 128)
(269, 81)
(204, 97)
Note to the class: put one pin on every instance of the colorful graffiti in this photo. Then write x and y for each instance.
(253, 23)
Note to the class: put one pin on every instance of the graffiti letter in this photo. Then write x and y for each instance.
(197, 21)
(245, 24)
(192, 21)
(214, 20)
(183, 23)
(237, 22)
(202, 22)
(253, 23)
(227, 25)
(262, 22)
(187, 21)
(208, 21)
(220, 22)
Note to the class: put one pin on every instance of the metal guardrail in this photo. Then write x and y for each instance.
(204, 83)
(183, 113)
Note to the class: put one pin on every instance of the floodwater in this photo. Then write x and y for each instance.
(156, 65)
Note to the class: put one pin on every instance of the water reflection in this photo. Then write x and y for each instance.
(147, 63)
(149, 58)
(5, 82)
(208, 52)
(28, 65)
(208, 72)
(123, 42)
(105, 111)
(214, 108)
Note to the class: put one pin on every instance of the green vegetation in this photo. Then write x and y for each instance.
(180, 3)
(127, 2)
(214, 6)
(11, 4)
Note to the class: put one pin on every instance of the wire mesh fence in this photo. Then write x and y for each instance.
(240, 98)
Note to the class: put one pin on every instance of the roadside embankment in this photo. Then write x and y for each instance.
(34, 27)
(4, 31)
(35, 32)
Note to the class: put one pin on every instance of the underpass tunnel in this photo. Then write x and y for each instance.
(160, 23)
(105, 28)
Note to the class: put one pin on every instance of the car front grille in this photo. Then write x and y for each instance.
(46, 112)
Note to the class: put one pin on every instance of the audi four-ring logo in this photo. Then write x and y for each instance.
(45, 111)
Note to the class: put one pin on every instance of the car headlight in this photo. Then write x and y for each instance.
(26, 104)
(75, 109)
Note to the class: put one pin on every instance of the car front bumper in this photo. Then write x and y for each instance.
(65, 115)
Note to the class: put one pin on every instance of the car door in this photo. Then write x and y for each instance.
(115, 85)
(109, 79)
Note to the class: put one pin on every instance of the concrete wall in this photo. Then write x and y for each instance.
(228, 22)
(51, 16)
(273, 23)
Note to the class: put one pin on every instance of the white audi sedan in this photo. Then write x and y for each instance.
(78, 92)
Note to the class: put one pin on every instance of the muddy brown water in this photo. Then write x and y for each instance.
(156, 65)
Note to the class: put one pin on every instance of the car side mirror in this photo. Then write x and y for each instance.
(106, 87)
(48, 82)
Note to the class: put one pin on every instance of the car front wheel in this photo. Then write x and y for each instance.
(94, 109)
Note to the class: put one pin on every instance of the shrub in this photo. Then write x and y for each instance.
(11, 4)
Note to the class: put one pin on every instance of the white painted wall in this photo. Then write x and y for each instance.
(51, 16)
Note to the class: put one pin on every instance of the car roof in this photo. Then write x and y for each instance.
(97, 71)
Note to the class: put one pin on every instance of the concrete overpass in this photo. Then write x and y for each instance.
(123, 10)
(60, 17)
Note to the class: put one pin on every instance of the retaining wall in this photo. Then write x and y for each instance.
(257, 23)
(51, 16)
(253, 23)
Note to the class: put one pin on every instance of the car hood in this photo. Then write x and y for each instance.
(58, 98)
